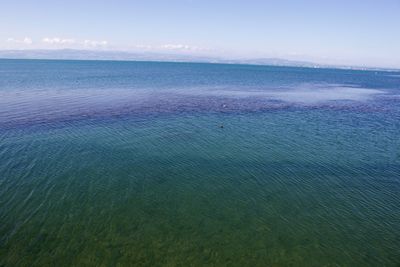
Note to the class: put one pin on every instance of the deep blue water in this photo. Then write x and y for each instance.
(153, 164)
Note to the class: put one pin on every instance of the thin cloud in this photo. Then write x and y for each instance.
(26, 41)
(181, 47)
(58, 41)
(73, 43)
(94, 43)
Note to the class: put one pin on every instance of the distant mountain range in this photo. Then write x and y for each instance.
(73, 54)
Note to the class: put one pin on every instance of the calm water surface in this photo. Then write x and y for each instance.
(173, 164)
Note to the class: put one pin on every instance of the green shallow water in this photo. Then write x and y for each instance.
(162, 184)
(263, 190)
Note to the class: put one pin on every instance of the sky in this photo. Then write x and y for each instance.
(352, 32)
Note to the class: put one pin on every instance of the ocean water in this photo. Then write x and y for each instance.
(175, 164)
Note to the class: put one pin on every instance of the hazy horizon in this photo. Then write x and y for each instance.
(339, 33)
(159, 56)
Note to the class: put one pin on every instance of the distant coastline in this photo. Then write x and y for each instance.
(108, 55)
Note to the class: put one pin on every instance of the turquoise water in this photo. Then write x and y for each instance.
(176, 164)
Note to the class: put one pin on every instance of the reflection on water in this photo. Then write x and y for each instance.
(120, 162)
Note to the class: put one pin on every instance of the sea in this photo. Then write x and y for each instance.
(117, 163)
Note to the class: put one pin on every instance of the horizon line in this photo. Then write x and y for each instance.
(184, 58)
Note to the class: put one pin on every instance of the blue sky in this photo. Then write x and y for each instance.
(365, 33)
